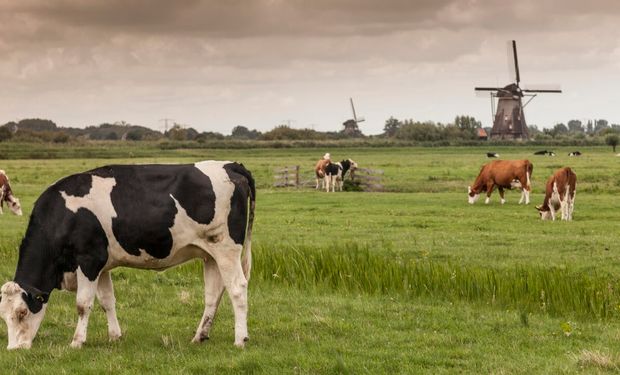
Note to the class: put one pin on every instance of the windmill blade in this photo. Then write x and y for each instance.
(513, 62)
(353, 109)
(489, 88)
(543, 88)
(360, 119)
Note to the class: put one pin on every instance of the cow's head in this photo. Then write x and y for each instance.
(14, 205)
(544, 214)
(23, 312)
(472, 196)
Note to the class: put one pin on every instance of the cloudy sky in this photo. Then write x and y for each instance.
(215, 64)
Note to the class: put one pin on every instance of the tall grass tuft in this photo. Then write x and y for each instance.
(354, 268)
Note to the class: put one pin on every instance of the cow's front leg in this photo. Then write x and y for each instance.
(501, 195)
(326, 180)
(105, 295)
(86, 291)
(214, 288)
(229, 264)
(489, 191)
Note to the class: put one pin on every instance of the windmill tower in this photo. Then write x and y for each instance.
(351, 127)
(508, 116)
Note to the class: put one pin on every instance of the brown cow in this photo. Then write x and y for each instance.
(319, 169)
(559, 195)
(505, 174)
(6, 195)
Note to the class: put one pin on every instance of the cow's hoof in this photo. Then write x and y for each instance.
(114, 336)
(199, 338)
(241, 344)
(76, 344)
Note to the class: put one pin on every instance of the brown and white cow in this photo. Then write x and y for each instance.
(559, 195)
(319, 169)
(6, 195)
(505, 174)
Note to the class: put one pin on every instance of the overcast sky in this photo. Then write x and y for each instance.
(215, 64)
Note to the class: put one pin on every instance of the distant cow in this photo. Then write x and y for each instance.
(492, 155)
(545, 152)
(335, 173)
(140, 216)
(559, 195)
(574, 153)
(6, 195)
(502, 173)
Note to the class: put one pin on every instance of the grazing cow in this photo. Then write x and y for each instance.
(559, 195)
(502, 173)
(545, 152)
(574, 153)
(335, 172)
(492, 155)
(6, 195)
(140, 216)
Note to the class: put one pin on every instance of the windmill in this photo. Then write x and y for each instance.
(351, 126)
(508, 116)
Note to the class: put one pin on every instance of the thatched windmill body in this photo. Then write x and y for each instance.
(508, 116)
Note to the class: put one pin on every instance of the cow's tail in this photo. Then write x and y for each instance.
(529, 170)
(246, 258)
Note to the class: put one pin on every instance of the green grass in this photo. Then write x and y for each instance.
(413, 280)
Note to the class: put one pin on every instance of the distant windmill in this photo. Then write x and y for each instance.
(508, 118)
(351, 126)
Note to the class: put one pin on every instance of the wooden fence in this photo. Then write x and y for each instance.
(287, 176)
(290, 176)
(368, 179)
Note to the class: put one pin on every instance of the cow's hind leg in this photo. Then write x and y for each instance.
(229, 264)
(105, 295)
(86, 291)
(214, 287)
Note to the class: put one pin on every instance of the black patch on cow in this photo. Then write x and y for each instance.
(332, 169)
(77, 185)
(57, 241)
(142, 199)
(244, 189)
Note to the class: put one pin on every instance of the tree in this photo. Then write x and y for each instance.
(600, 125)
(612, 140)
(5, 133)
(575, 126)
(242, 132)
(391, 127)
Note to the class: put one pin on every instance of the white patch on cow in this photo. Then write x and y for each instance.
(471, 199)
(22, 324)
(502, 201)
(487, 200)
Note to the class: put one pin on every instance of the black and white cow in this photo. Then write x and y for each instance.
(544, 152)
(335, 172)
(141, 216)
(492, 155)
(574, 153)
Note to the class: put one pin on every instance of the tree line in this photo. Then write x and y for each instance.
(463, 129)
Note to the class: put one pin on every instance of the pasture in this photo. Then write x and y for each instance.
(411, 280)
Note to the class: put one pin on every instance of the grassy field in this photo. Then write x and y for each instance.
(412, 280)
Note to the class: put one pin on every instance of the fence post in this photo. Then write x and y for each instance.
(297, 176)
